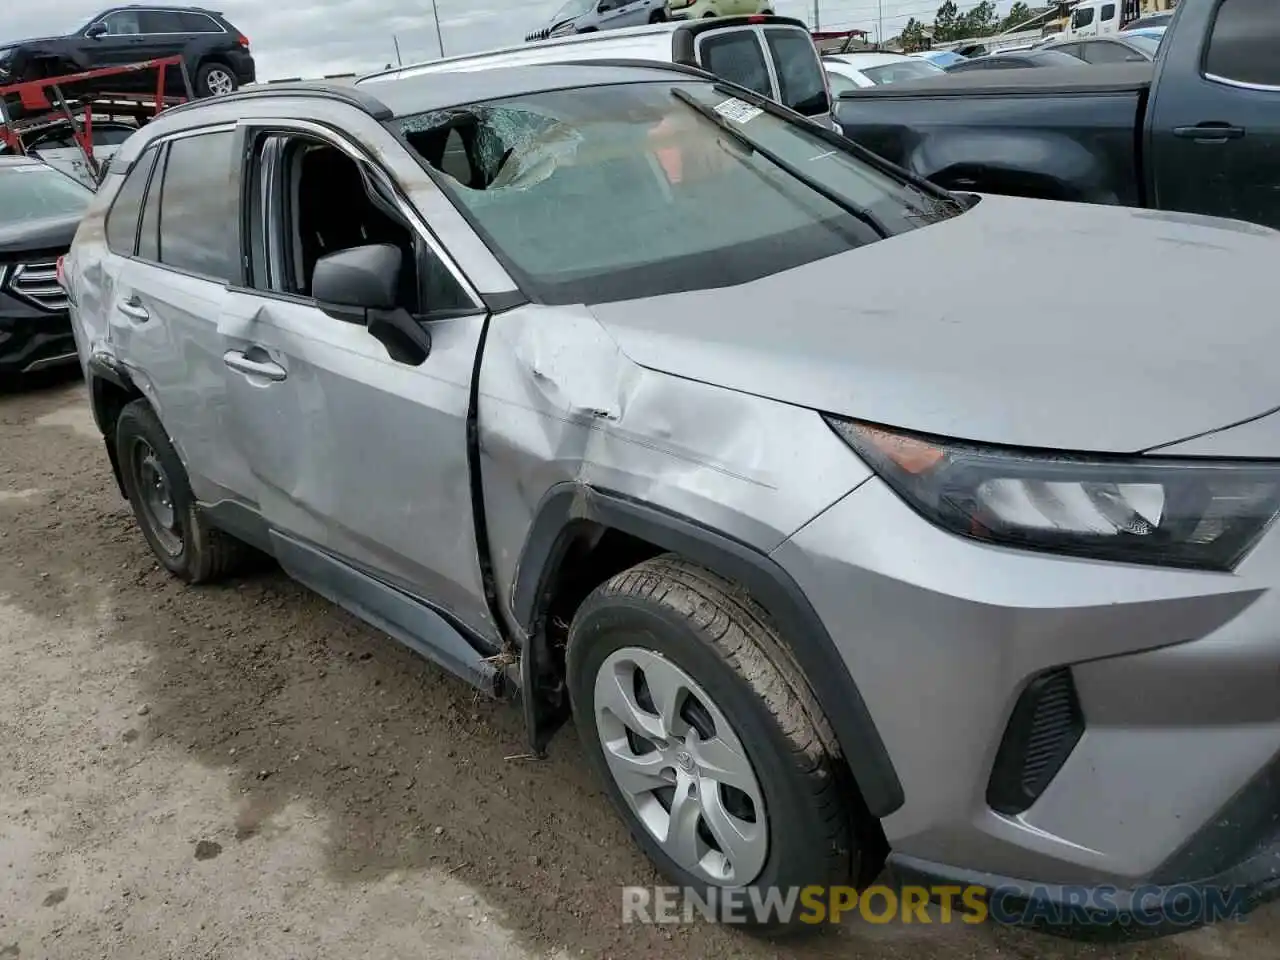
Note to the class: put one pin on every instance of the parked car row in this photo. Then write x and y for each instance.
(215, 53)
(718, 447)
(1196, 131)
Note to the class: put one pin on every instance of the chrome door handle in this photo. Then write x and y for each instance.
(134, 309)
(266, 369)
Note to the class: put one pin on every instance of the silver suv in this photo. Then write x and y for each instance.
(636, 394)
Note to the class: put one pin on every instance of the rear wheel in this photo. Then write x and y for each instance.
(158, 490)
(214, 80)
(708, 739)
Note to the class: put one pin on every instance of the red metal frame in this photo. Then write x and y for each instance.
(34, 94)
(41, 111)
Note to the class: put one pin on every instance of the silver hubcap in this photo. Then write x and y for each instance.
(219, 82)
(156, 496)
(681, 767)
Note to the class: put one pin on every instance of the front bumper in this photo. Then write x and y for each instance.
(1176, 776)
(33, 339)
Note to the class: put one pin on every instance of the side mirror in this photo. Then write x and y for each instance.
(361, 285)
(96, 30)
(349, 283)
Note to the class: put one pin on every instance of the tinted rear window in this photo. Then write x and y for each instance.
(737, 56)
(799, 72)
(31, 192)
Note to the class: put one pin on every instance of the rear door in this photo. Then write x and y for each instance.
(1214, 121)
(164, 33)
(171, 284)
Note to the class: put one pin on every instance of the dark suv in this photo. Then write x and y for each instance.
(216, 53)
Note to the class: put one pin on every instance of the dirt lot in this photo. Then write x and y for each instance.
(245, 771)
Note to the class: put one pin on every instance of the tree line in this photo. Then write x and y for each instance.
(950, 24)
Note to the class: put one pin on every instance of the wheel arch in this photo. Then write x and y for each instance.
(110, 390)
(570, 511)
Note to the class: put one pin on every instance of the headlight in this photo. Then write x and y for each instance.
(1202, 514)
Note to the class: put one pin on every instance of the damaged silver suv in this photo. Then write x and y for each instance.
(638, 396)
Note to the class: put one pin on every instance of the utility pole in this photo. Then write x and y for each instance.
(817, 23)
(880, 28)
(396, 41)
(435, 12)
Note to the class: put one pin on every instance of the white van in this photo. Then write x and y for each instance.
(774, 56)
(1093, 18)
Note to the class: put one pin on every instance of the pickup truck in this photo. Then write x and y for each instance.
(1197, 131)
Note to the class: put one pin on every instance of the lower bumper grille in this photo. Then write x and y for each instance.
(1045, 726)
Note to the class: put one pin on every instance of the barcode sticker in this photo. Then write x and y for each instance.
(739, 111)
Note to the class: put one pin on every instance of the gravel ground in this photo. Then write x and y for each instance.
(244, 771)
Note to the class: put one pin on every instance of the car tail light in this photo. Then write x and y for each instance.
(243, 41)
(757, 18)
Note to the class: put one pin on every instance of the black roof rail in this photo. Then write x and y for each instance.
(321, 91)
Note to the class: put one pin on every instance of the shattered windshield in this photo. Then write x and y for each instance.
(635, 190)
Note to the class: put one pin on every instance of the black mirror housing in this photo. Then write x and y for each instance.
(349, 283)
(96, 30)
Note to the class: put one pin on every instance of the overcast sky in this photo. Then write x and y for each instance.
(311, 38)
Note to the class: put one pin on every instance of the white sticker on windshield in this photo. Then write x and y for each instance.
(737, 110)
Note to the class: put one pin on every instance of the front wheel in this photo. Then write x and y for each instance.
(708, 739)
(658, 16)
(214, 80)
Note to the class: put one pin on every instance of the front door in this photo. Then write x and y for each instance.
(121, 43)
(354, 453)
(1215, 123)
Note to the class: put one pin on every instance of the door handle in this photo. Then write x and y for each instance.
(266, 369)
(133, 309)
(1209, 132)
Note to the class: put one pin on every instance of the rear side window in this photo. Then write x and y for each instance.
(160, 21)
(199, 207)
(737, 56)
(149, 235)
(199, 23)
(799, 74)
(1245, 43)
(122, 220)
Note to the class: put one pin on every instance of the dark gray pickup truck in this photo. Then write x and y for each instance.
(1197, 131)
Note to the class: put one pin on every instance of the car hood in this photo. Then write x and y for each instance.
(1020, 322)
(43, 234)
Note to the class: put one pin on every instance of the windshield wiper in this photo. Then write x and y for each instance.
(860, 213)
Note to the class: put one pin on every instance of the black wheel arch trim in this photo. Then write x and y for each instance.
(105, 369)
(568, 507)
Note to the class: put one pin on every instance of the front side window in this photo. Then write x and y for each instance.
(1108, 12)
(122, 220)
(34, 192)
(737, 56)
(799, 73)
(1081, 18)
(1245, 43)
(625, 191)
(199, 207)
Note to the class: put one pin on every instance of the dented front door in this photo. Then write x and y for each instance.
(355, 453)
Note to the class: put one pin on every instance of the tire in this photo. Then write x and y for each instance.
(189, 547)
(658, 16)
(214, 79)
(669, 617)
